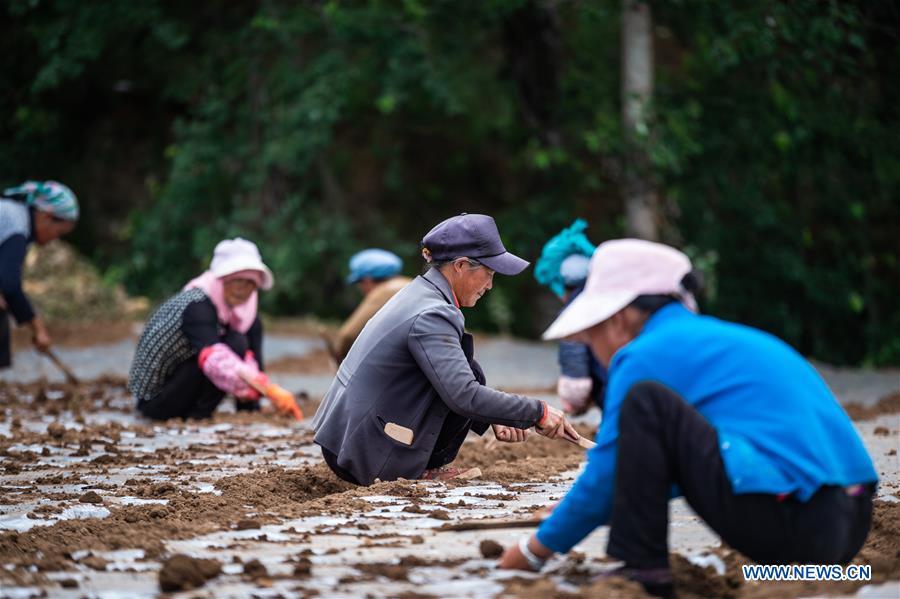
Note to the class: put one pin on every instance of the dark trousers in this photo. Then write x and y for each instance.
(331, 460)
(5, 340)
(663, 441)
(456, 428)
(453, 432)
(450, 439)
(187, 393)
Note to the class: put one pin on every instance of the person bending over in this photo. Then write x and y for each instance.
(728, 416)
(206, 342)
(410, 389)
(36, 211)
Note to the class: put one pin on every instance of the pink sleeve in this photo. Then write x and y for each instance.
(250, 359)
(224, 368)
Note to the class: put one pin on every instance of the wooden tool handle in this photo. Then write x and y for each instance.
(580, 442)
(70, 376)
(585, 443)
(490, 524)
(329, 347)
(249, 380)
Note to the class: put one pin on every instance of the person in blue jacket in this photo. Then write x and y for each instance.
(563, 268)
(38, 211)
(728, 416)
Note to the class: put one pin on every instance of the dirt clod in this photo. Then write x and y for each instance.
(91, 497)
(391, 571)
(183, 573)
(255, 569)
(303, 567)
(56, 430)
(95, 562)
(247, 524)
(490, 549)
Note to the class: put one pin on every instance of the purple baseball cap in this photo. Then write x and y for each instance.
(472, 236)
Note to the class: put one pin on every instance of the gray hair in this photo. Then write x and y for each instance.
(440, 264)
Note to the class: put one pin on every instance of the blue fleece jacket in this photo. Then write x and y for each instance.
(780, 429)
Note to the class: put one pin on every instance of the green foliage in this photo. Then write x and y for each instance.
(320, 128)
(790, 171)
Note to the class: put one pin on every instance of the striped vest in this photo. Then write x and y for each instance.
(163, 346)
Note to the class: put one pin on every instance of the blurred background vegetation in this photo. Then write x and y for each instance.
(319, 128)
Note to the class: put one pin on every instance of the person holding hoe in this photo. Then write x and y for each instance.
(410, 390)
(728, 416)
(206, 342)
(35, 211)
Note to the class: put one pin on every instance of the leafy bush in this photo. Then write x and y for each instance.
(321, 128)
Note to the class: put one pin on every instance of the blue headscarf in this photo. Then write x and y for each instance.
(47, 196)
(570, 241)
(375, 264)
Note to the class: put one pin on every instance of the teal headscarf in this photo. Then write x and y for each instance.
(47, 196)
(570, 241)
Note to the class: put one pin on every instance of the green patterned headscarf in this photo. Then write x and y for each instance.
(568, 242)
(47, 196)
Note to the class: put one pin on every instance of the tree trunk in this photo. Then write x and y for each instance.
(638, 189)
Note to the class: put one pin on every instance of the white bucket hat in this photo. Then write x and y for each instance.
(235, 255)
(622, 270)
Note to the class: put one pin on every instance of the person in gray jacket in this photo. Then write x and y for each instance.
(410, 390)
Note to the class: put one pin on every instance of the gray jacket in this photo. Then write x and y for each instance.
(409, 367)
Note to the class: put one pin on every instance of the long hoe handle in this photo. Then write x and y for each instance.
(329, 347)
(70, 376)
(490, 525)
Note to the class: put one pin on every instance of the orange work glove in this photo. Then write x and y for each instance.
(284, 401)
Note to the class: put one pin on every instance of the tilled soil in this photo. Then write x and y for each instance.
(889, 404)
(86, 488)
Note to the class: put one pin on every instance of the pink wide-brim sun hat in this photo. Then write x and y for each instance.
(621, 270)
(235, 255)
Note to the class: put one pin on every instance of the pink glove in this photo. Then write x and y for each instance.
(250, 360)
(227, 371)
(259, 378)
(574, 393)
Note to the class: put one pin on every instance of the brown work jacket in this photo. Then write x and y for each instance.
(370, 304)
